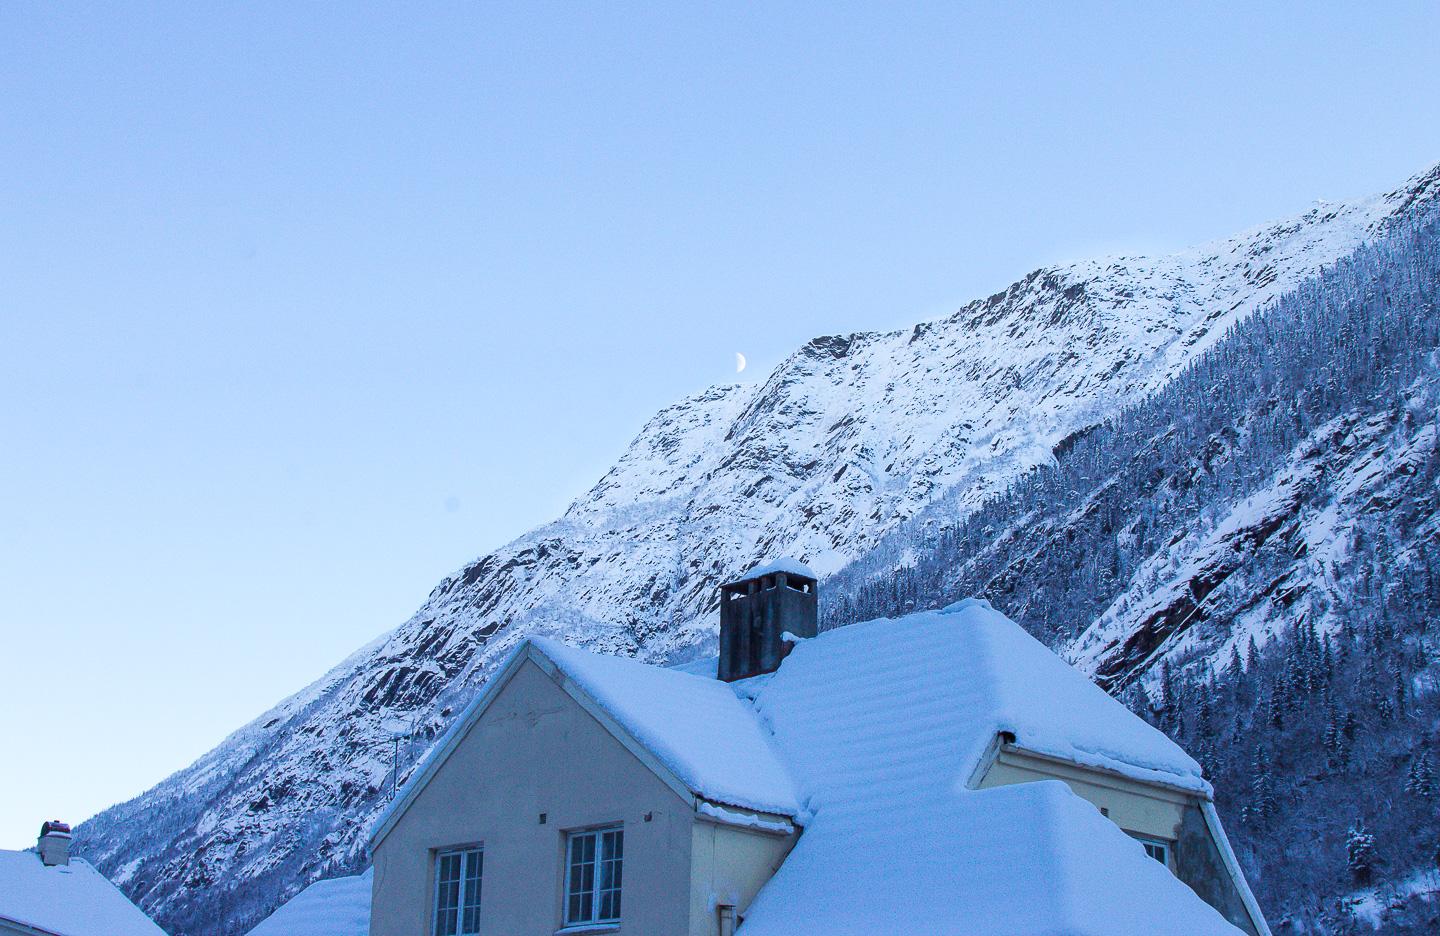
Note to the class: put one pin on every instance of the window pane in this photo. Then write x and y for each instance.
(580, 898)
(447, 895)
(611, 854)
(470, 909)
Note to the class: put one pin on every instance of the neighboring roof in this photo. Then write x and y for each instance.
(708, 667)
(696, 726)
(784, 564)
(67, 900)
(334, 907)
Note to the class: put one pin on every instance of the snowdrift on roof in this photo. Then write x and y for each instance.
(71, 900)
(333, 907)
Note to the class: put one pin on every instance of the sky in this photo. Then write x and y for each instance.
(304, 306)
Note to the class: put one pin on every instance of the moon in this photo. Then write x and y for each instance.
(739, 362)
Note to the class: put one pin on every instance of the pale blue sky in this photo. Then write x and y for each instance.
(302, 306)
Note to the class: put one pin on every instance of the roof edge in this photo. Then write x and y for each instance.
(1202, 791)
(1232, 867)
(612, 725)
(446, 746)
(28, 929)
(527, 650)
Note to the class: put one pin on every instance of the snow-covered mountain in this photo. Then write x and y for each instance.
(850, 437)
(1250, 558)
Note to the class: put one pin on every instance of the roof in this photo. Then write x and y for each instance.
(66, 900)
(333, 907)
(1031, 859)
(885, 746)
(701, 736)
(784, 564)
(695, 725)
(871, 737)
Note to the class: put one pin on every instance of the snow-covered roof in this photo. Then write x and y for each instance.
(871, 737)
(335, 907)
(783, 564)
(1031, 859)
(66, 900)
(884, 744)
(696, 726)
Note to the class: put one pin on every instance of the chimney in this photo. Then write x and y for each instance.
(55, 843)
(757, 610)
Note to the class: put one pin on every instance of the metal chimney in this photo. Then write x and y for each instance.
(54, 845)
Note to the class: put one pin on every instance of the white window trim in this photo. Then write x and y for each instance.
(464, 851)
(1157, 843)
(596, 923)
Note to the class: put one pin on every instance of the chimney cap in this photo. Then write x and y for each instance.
(793, 568)
(54, 827)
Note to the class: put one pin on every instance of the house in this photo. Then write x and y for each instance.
(332, 907)
(45, 892)
(939, 773)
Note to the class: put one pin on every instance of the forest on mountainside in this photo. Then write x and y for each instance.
(1282, 498)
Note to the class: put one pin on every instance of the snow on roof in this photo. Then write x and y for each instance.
(705, 666)
(696, 726)
(870, 735)
(1022, 860)
(784, 564)
(68, 900)
(932, 690)
(334, 907)
(884, 742)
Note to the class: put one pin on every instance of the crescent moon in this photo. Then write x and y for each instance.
(739, 362)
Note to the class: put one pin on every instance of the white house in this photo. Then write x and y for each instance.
(47, 893)
(940, 773)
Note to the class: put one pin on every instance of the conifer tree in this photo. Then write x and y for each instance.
(1421, 778)
(1360, 854)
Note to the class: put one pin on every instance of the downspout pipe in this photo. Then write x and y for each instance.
(726, 913)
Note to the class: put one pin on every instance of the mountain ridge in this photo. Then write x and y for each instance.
(849, 436)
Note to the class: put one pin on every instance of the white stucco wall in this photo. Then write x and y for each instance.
(536, 750)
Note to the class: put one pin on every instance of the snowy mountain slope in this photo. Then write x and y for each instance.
(1357, 464)
(1251, 557)
(848, 437)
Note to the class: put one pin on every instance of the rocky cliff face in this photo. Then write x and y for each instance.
(847, 438)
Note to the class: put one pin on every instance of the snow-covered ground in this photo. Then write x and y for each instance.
(1371, 904)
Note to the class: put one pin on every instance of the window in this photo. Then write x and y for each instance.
(1157, 850)
(592, 876)
(457, 892)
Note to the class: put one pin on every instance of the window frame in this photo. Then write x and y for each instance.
(466, 854)
(597, 892)
(1154, 843)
